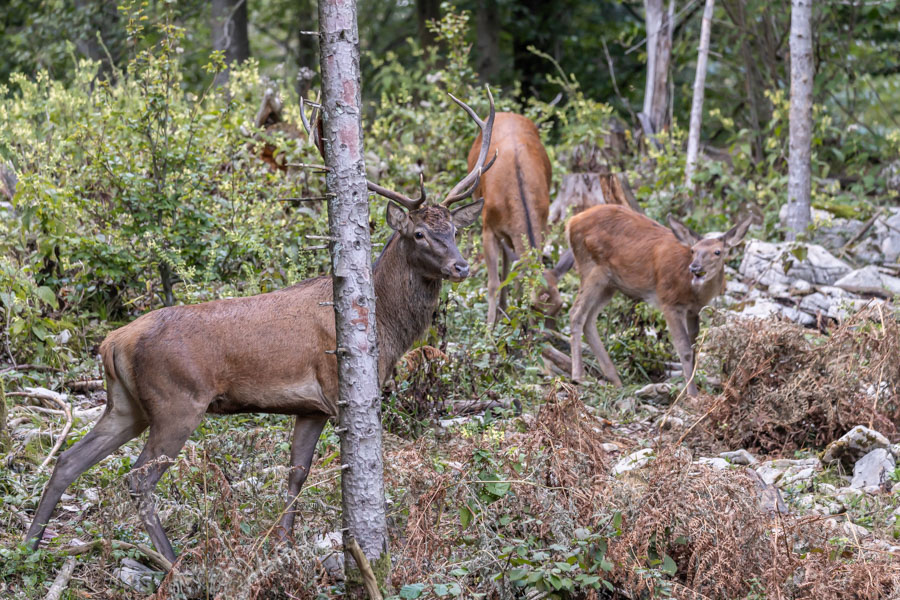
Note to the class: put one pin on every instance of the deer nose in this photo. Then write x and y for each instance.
(696, 269)
(462, 269)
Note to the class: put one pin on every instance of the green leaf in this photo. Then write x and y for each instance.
(413, 590)
(465, 516)
(47, 295)
(668, 567)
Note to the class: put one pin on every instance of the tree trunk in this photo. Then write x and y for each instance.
(659, 52)
(427, 10)
(798, 212)
(229, 32)
(580, 191)
(362, 482)
(487, 23)
(693, 146)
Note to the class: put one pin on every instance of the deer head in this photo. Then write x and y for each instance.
(425, 231)
(708, 255)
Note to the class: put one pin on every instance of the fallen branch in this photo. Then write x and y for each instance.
(88, 385)
(62, 580)
(30, 367)
(160, 560)
(90, 414)
(862, 230)
(59, 400)
(369, 581)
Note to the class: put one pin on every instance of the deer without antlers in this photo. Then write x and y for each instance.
(617, 249)
(264, 353)
(516, 197)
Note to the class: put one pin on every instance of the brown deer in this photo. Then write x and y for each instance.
(675, 270)
(516, 197)
(264, 353)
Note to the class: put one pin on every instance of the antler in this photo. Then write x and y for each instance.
(409, 203)
(466, 186)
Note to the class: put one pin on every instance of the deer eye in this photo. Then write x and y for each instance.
(419, 235)
(718, 252)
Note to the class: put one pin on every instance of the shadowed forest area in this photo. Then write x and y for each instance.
(629, 325)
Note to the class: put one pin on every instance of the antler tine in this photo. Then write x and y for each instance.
(409, 203)
(466, 186)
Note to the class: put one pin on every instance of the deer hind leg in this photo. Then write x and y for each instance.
(492, 251)
(592, 334)
(591, 298)
(683, 331)
(167, 437)
(303, 447)
(122, 421)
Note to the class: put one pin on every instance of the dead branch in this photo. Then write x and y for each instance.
(30, 367)
(62, 580)
(59, 400)
(160, 560)
(862, 231)
(365, 568)
(88, 385)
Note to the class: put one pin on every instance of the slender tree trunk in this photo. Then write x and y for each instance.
(693, 146)
(487, 24)
(427, 10)
(654, 117)
(799, 187)
(362, 481)
(229, 32)
(100, 17)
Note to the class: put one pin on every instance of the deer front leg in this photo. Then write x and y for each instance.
(491, 256)
(678, 322)
(303, 447)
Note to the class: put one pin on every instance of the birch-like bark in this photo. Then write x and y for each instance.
(799, 187)
(362, 481)
(693, 146)
(659, 52)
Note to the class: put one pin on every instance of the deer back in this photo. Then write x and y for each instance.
(516, 191)
(641, 258)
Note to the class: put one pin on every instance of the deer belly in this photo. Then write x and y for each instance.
(295, 398)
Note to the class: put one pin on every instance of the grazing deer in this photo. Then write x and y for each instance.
(265, 353)
(617, 249)
(516, 197)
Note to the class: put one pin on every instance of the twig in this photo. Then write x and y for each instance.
(156, 557)
(85, 385)
(60, 401)
(310, 166)
(62, 580)
(862, 230)
(30, 367)
(365, 568)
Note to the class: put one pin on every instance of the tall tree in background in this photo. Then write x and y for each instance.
(427, 10)
(229, 31)
(487, 32)
(654, 117)
(693, 146)
(101, 20)
(362, 482)
(799, 190)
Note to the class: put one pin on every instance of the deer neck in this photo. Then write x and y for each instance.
(709, 288)
(405, 304)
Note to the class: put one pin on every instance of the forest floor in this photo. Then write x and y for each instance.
(590, 493)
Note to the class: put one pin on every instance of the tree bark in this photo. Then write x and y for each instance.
(693, 146)
(362, 482)
(229, 31)
(427, 10)
(487, 24)
(659, 52)
(799, 187)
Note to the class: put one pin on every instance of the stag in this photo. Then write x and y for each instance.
(675, 270)
(516, 197)
(271, 353)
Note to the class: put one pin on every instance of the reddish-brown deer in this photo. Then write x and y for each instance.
(675, 270)
(270, 353)
(516, 197)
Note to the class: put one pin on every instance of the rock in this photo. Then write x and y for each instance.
(895, 450)
(769, 474)
(801, 287)
(610, 447)
(633, 461)
(796, 475)
(626, 404)
(329, 545)
(768, 496)
(873, 469)
(772, 471)
(736, 288)
(654, 391)
(738, 457)
(869, 280)
(853, 445)
(847, 528)
(716, 463)
(137, 576)
(848, 496)
(670, 422)
(779, 290)
(769, 263)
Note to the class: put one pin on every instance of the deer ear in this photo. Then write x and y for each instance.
(683, 233)
(397, 219)
(468, 214)
(734, 235)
